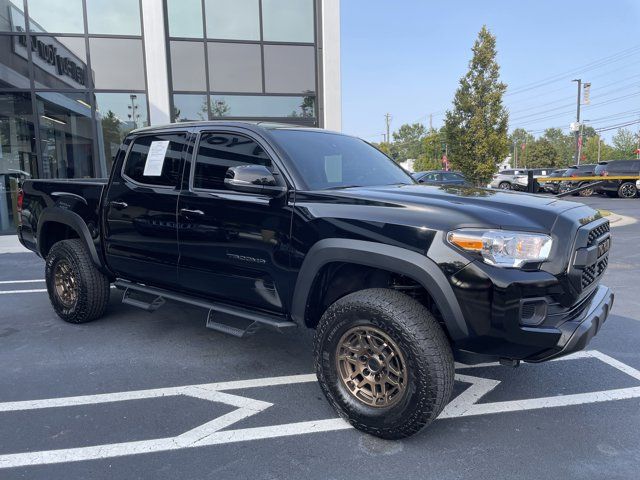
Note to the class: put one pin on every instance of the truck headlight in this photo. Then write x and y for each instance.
(502, 248)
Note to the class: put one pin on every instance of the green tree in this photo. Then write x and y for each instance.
(564, 144)
(408, 141)
(519, 142)
(625, 142)
(476, 127)
(542, 154)
(430, 157)
(111, 136)
(590, 150)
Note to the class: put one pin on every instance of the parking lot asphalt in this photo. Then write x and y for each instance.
(140, 395)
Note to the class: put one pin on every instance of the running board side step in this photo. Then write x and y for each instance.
(252, 320)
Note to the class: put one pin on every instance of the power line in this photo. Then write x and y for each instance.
(616, 57)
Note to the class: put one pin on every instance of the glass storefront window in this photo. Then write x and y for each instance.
(262, 106)
(17, 153)
(116, 115)
(117, 63)
(287, 20)
(235, 67)
(187, 107)
(187, 66)
(113, 17)
(56, 16)
(233, 19)
(59, 62)
(185, 18)
(11, 16)
(289, 69)
(66, 134)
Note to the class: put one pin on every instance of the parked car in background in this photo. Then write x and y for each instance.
(537, 173)
(586, 170)
(440, 177)
(552, 187)
(618, 188)
(511, 179)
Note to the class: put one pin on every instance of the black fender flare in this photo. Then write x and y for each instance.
(73, 221)
(387, 257)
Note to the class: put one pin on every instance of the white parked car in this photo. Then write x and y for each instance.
(510, 179)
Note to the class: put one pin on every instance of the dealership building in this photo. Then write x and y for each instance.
(77, 75)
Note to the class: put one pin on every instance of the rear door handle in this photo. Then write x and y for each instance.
(118, 205)
(187, 212)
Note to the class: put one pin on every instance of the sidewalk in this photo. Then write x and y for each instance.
(10, 244)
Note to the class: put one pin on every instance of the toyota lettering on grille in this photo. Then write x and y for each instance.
(603, 247)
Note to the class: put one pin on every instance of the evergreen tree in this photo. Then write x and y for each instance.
(476, 127)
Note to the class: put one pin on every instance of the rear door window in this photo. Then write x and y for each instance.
(156, 160)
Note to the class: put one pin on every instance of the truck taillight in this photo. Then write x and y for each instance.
(20, 200)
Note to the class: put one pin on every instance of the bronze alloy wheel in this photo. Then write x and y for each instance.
(65, 283)
(371, 366)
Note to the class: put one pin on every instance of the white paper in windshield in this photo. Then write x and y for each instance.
(155, 158)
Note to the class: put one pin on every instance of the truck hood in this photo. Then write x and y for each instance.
(456, 206)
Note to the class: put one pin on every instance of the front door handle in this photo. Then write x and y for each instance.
(118, 205)
(187, 212)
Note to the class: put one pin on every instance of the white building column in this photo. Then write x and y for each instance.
(156, 61)
(331, 65)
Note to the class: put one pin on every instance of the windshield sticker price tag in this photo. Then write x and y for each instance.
(155, 158)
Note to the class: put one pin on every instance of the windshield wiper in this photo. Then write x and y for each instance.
(338, 187)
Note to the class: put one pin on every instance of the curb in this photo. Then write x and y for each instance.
(616, 220)
(10, 244)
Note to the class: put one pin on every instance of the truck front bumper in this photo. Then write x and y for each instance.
(576, 334)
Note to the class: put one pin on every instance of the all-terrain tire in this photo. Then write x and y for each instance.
(422, 343)
(91, 286)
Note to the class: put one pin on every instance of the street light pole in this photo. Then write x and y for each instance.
(577, 154)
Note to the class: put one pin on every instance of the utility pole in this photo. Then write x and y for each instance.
(577, 154)
(430, 121)
(599, 145)
(387, 118)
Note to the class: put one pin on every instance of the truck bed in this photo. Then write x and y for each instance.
(81, 196)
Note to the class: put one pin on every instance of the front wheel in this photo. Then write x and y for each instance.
(78, 291)
(627, 190)
(383, 362)
(504, 186)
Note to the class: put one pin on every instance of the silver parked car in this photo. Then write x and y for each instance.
(510, 179)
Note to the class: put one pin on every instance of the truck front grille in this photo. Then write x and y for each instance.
(598, 232)
(594, 271)
(592, 255)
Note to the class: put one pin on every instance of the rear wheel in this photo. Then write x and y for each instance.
(78, 291)
(627, 190)
(504, 186)
(383, 362)
(587, 192)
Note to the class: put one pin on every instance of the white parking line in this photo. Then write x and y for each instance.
(39, 280)
(35, 290)
(209, 433)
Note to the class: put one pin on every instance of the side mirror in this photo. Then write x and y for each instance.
(252, 179)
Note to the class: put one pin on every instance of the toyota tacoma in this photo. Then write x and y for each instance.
(276, 226)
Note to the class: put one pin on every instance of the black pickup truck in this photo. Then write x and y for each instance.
(275, 226)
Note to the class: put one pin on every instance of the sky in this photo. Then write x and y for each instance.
(406, 57)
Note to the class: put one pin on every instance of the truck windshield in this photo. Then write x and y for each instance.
(330, 160)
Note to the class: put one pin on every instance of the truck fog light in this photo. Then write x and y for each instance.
(533, 312)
